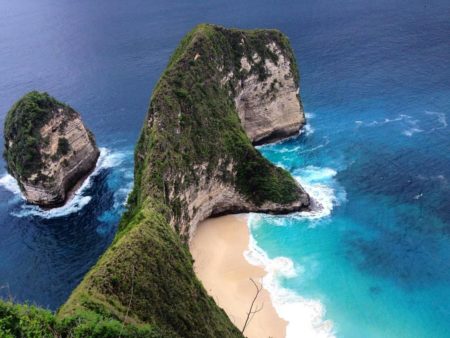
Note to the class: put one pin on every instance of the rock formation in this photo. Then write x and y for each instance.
(269, 108)
(47, 149)
(222, 90)
(255, 74)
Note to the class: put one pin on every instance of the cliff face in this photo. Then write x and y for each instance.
(47, 148)
(211, 196)
(251, 73)
(269, 108)
(195, 159)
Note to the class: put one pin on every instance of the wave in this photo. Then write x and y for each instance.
(78, 201)
(325, 192)
(307, 129)
(309, 116)
(305, 317)
(9, 183)
(322, 188)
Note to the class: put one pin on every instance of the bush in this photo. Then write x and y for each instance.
(22, 132)
(63, 146)
(28, 321)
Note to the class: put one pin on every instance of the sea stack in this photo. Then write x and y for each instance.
(47, 149)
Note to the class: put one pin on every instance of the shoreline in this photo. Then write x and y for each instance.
(218, 249)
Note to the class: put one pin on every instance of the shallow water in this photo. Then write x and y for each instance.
(371, 261)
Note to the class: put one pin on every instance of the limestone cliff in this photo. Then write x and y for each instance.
(269, 106)
(222, 90)
(251, 73)
(47, 148)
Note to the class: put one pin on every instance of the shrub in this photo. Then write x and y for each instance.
(63, 146)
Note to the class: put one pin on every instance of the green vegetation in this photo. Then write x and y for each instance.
(198, 122)
(22, 125)
(146, 276)
(22, 132)
(63, 146)
(30, 322)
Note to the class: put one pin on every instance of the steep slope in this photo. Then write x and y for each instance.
(47, 148)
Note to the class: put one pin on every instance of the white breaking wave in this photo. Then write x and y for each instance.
(78, 201)
(324, 191)
(121, 196)
(305, 317)
(309, 116)
(9, 183)
(307, 129)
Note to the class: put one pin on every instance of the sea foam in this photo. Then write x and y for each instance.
(9, 183)
(78, 201)
(305, 317)
(323, 189)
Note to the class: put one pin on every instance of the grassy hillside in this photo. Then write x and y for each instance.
(146, 278)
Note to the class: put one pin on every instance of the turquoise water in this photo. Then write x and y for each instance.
(374, 259)
(371, 260)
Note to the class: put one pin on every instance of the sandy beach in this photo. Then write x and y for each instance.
(218, 247)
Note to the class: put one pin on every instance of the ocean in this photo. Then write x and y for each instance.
(372, 259)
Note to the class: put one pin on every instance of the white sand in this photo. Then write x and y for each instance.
(218, 248)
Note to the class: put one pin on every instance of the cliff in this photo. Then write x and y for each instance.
(222, 90)
(267, 95)
(193, 149)
(47, 148)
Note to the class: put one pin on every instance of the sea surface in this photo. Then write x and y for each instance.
(372, 259)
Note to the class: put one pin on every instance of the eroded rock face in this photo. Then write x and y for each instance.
(47, 149)
(270, 108)
(212, 196)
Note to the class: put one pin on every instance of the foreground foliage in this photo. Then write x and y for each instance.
(30, 321)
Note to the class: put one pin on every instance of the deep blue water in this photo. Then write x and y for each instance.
(373, 261)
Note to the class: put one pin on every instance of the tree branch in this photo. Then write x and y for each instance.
(251, 313)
